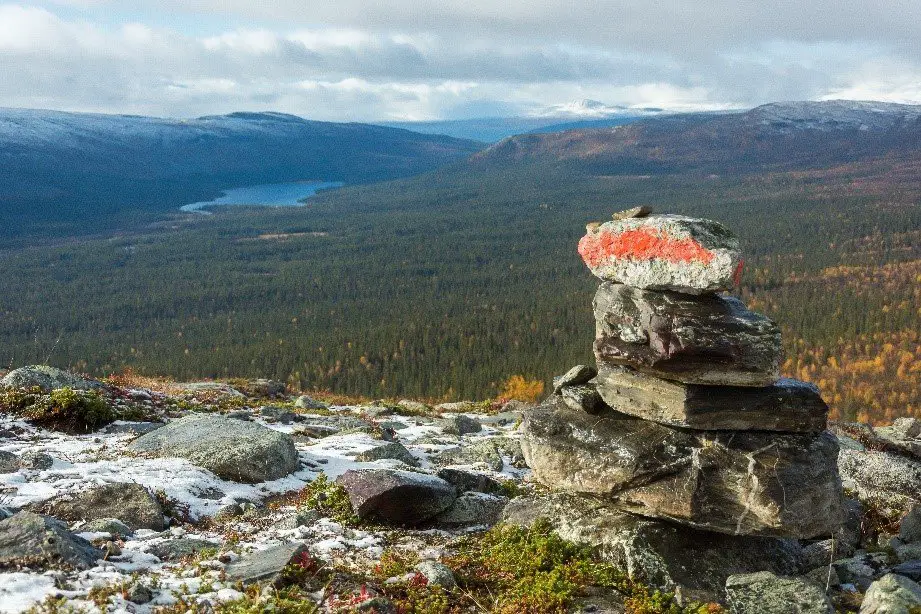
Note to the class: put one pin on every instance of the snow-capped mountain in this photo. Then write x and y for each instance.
(589, 109)
(834, 115)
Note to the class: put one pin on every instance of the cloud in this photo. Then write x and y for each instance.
(422, 59)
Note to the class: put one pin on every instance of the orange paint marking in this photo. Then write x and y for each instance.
(640, 244)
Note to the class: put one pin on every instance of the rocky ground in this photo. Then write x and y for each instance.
(139, 495)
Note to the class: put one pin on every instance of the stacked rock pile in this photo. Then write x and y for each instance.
(686, 418)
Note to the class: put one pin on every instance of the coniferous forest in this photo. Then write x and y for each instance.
(447, 284)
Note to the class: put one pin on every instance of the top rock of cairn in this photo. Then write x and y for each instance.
(663, 252)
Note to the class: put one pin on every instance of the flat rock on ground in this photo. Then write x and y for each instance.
(264, 565)
(712, 340)
(737, 483)
(130, 503)
(472, 509)
(664, 252)
(32, 540)
(395, 497)
(788, 405)
(892, 594)
(231, 449)
(663, 554)
(767, 593)
(891, 479)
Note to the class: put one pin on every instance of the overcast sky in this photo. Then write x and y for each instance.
(446, 59)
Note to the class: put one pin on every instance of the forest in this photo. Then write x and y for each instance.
(445, 285)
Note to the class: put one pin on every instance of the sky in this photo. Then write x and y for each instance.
(396, 60)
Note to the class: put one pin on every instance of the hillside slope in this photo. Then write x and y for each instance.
(71, 167)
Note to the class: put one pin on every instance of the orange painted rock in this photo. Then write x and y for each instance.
(664, 252)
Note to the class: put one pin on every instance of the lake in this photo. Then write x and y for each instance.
(265, 195)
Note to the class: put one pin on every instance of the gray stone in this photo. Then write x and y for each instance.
(471, 508)
(133, 428)
(470, 481)
(823, 577)
(139, 593)
(229, 512)
(641, 211)
(31, 540)
(461, 425)
(485, 452)
(908, 552)
(583, 398)
(300, 518)
(906, 428)
(307, 402)
(766, 593)
(107, 525)
(890, 479)
(909, 569)
(862, 569)
(48, 379)
(664, 252)
(316, 431)
(892, 594)
(710, 340)
(278, 414)
(240, 414)
(180, 548)
(129, 502)
(437, 573)
(741, 483)
(265, 565)
(213, 389)
(820, 554)
(389, 450)
(789, 405)
(396, 497)
(578, 375)
(266, 387)
(662, 554)
(504, 418)
(9, 462)
(231, 449)
(36, 461)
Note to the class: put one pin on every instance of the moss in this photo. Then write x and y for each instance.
(329, 499)
(63, 409)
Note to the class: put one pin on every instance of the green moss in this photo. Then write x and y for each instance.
(329, 499)
(63, 409)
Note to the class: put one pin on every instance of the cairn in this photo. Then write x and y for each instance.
(685, 418)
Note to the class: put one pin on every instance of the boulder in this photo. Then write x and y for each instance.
(307, 402)
(862, 569)
(580, 374)
(128, 502)
(712, 340)
(389, 450)
(471, 509)
(265, 565)
(36, 461)
(395, 497)
(740, 483)
(9, 462)
(31, 540)
(484, 452)
(132, 428)
(48, 379)
(436, 573)
(665, 555)
(113, 526)
(892, 594)
(584, 397)
(461, 425)
(766, 593)
(788, 405)
(890, 479)
(180, 548)
(910, 527)
(231, 449)
(909, 569)
(470, 481)
(664, 252)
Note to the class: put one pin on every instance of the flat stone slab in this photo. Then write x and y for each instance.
(709, 339)
(665, 555)
(766, 593)
(128, 502)
(664, 252)
(788, 405)
(739, 483)
(264, 565)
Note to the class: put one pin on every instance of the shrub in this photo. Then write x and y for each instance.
(63, 409)
(329, 499)
(517, 387)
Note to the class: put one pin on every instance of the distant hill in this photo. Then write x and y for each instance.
(58, 168)
(770, 137)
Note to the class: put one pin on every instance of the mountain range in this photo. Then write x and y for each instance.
(58, 167)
